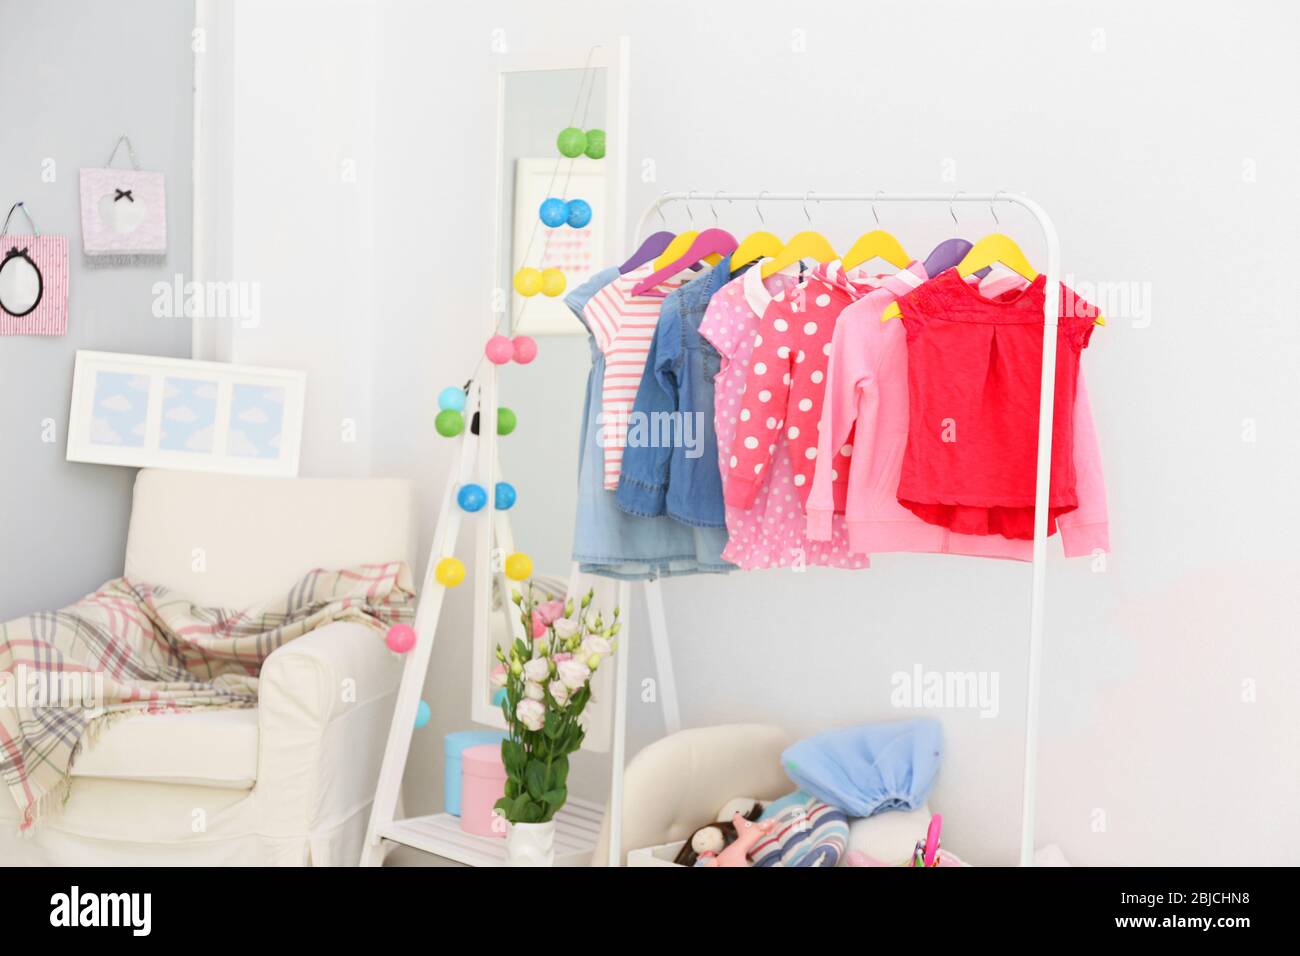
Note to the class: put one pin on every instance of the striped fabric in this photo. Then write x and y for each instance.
(807, 833)
(623, 326)
(49, 254)
(133, 648)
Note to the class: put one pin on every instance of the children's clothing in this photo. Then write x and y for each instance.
(769, 533)
(973, 384)
(670, 465)
(623, 326)
(786, 382)
(866, 389)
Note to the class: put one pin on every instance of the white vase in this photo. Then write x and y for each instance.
(531, 844)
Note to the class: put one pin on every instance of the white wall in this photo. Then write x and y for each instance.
(77, 74)
(1170, 679)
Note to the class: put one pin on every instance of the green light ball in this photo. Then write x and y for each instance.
(449, 423)
(506, 421)
(595, 144)
(571, 142)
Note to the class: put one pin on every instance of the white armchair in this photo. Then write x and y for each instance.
(287, 783)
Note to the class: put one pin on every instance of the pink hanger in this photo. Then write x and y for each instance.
(707, 243)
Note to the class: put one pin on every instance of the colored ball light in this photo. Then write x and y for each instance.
(400, 638)
(518, 566)
(422, 715)
(525, 349)
(579, 213)
(449, 423)
(528, 281)
(552, 212)
(506, 496)
(595, 144)
(499, 350)
(471, 497)
(452, 399)
(450, 571)
(552, 282)
(571, 142)
(506, 420)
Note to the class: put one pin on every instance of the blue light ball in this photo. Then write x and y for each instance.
(579, 213)
(422, 715)
(471, 497)
(499, 697)
(451, 399)
(553, 212)
(506, 496)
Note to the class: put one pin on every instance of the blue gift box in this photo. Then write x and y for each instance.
(453, 745)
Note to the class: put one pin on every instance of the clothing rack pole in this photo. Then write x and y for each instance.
(1047, 394)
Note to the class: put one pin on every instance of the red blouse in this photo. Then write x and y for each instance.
(974, 370)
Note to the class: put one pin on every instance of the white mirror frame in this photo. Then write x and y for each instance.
(492, 537)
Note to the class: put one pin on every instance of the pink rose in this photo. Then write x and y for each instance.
(499, 675)
(539, 624)
(551, 611)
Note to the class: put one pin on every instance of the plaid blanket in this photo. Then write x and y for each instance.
(134, 648)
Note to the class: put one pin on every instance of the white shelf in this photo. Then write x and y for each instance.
(577, 828)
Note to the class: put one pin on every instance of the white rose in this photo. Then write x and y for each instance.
(591, 644)
(573, 674)
(565, 628)
(534, 691)
(559, 692)
(531, 714)
(537, 670)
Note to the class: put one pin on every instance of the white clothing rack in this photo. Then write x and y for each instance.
(438, 835)
(1047, 394)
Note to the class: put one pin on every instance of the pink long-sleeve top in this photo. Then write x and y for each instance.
(867, 397)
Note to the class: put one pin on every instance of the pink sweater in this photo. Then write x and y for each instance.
(866, 395)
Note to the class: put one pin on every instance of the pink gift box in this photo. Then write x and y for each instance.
(482, 784)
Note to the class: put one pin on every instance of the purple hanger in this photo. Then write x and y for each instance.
(652, 248)
(947, 254)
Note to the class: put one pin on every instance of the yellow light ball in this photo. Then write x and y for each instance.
(518, 566)
(450, 572)
(552, 282)
(528, 281)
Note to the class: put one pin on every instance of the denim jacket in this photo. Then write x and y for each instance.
(670, 465)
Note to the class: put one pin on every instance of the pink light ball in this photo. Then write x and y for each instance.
(400, 638)
(524, 349)
(499, 350)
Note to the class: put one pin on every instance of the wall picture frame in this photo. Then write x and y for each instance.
(148, 411)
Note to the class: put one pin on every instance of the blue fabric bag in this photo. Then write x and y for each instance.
(864, 770)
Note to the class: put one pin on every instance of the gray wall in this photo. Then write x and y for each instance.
(77, 74)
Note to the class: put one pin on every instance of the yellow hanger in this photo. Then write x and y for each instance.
(996, 247)
(756, 245)
(803, 245)
(876, 244)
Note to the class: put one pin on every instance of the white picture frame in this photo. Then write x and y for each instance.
(149, 411)
(578, 253)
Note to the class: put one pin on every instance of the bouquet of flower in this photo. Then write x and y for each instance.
(547, 685)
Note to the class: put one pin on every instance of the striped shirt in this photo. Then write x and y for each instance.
(623, 326)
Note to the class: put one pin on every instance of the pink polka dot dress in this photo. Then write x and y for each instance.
(770, 531)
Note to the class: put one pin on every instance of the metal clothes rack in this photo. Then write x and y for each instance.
(1047, 395)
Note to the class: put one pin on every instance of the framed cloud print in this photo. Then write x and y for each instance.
(147, 411)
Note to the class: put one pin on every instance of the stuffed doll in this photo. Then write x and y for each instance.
(748, 833)
(710, 840)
